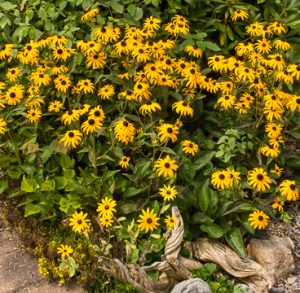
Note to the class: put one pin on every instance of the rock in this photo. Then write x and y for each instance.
(291, 280)
(275, 255)
(192, 286)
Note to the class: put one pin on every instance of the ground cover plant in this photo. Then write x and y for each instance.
(107, 122)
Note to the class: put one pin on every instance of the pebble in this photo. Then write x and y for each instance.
(291, 280)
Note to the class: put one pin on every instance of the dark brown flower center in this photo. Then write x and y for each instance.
(12, 95)
(59, 51)
(125, 123)
(260, 177)
(97, 113)
(79, 222)
(292, 186)
(222, 176)
(149, 221)
(167, 165)
(91, 122)
(107, 207)
(170, 130)
(260, 218)
(71, 134)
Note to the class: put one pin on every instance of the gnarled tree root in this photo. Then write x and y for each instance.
(175, 268)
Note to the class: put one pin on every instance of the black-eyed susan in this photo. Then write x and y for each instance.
(106, 221)
(273, 130)
(60, 53)
(192, 51)
(107, 207)
(106, 92)
(55, 106)
(14, 94)
(148, 221)
(281, 45)
(34, 115)
(141, 54)
(151, 23)
(167, 131)
(124, 131)
(227, 101)
(70, 116)
(165, 167)
(269, 151)
(258, 220)
(189, 147)
(294, 103)
(183, 108)
(84, 109)
(221, 179)
(58, 40)
(294, 71)
(97, 113)
(263, 46)
(278, 204)
(141, 90)
(71, 138)
(3, 125)
(13, 74)
(170, 221)
(124, 162)
(276, 170)
(277, 28)
(149, 108)
(168, 192)
(244, 49)
(65, 250)
(276, 141)
(289, 190)
(191, 77)
(6, 51)
(259, 179)
(79, 222)
(96, 60)
(86, 86)
(272, 113)
(62, 83)
(122, 47)
(234, 176)
(90, 15)
(255, 29)
(239, 14)
(91, 125)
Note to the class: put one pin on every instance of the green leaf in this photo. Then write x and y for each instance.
(14, 173)
(235, 241)
(187, 170)
(66, 161)
(204, 160)
(132, 191)
(7, 5)
(135, 12)
(116, 6)
(213, 230)
(29, 185)
(48, 185)
(127, 207)
(3, 186)
(60, 182)
(211, 46)
(202, 195)
(134, 256)
(31, 209)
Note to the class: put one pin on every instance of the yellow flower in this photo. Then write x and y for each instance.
(106, 221)
(72, 138)
(148, 220)
(124, 162)
(124, 131)
(168, 192)
(258, 220)
(13, 74)
(91, 125)
(278, 204)
(55, 106)
(289, 190)
(149, 108)
(3, 125)
(88, 16)
(277, 170)
(189, 147)
(239, 13)
(170, 221)
(195, 52)
(166, 131)
(34, 115)
(259, 179)
(165, 167)
(79, 222)
(221, 179)
(183, 108)
(65, 250)
(106, 207)
(106, 91)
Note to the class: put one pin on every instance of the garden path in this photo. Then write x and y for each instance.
(19, 270)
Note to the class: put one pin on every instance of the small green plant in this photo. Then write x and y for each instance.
(219, 283)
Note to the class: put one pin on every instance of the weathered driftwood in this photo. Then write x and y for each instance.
(174, 268)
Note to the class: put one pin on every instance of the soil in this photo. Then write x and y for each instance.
(19, 270)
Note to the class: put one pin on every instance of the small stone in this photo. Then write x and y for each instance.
(192, 286)
(291, 280)
(280, 289)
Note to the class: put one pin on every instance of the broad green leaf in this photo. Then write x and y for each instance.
(132, 191)
(3, 185)
(66, 161)
(127, 207)
(213, 230)
(236, 242)
(31, 209)
(60, 182)
(7, 5)
(212, 46)
(29, 185)
(187, 170)
(116, 6)
(202, 195)
(48, 185)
